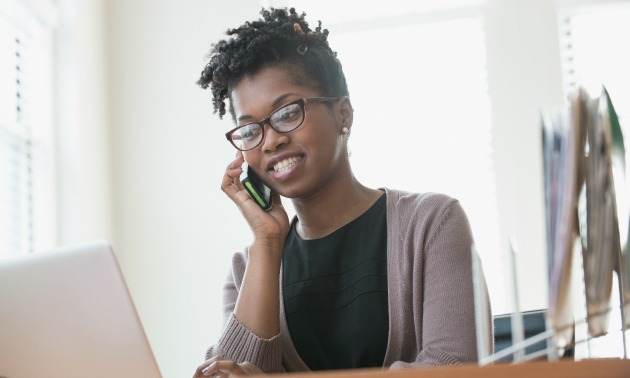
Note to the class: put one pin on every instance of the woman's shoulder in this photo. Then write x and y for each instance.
(426, 210)
(400, 200)
(424, 214)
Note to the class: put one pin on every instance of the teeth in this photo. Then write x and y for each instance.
(285, 164)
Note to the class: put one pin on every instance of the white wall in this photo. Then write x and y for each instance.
(151, 154)
(175, 230)
(524, 78)
(82, 115)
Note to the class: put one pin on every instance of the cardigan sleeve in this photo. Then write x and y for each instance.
(442, 312)
(237, 342)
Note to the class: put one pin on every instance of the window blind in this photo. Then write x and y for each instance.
(25, 121)
(594, 49)
(15, 144)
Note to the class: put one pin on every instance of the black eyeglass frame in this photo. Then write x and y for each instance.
(302, 102)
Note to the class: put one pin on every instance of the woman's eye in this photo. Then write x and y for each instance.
(249, 132)
(287, 114)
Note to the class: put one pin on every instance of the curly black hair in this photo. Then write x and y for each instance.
(281, 36)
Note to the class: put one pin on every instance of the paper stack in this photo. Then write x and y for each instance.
(580, 148)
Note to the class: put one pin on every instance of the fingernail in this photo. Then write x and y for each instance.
(205, 371)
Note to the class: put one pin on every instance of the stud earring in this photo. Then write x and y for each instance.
(345, 130)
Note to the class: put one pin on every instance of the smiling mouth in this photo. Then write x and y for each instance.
(286, 164)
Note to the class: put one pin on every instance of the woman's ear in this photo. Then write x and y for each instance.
(345, 113)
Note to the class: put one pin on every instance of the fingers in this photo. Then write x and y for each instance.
(234, 169)
(232, 186)
(209, 361)
(260, 223)
(250, 369)
(205, 368)
(221, 368)
(277, 207)
(231, 179)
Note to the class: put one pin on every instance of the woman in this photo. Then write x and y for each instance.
(360, 277)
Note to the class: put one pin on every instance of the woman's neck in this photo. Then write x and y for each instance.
(332, 208)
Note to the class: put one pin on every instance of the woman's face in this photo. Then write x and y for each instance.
(298, 163)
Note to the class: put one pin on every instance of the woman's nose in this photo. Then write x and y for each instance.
(273, 140)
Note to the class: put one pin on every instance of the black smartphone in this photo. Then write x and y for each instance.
(260, 192)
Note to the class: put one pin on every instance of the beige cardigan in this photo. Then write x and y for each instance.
(431, 312)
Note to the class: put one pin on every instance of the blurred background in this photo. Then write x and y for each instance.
(104, 134)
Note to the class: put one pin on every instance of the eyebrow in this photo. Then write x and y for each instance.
(274, 104)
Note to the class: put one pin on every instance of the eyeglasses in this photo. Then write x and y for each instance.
(284, 119)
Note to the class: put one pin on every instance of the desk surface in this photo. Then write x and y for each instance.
(605, 368)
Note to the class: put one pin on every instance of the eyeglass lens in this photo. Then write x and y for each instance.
(283, 120)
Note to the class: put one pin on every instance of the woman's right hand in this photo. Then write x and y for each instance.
(269, 227)
(220, 367)
(257, 306)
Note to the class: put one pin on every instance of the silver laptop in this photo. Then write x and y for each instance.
(67, 313)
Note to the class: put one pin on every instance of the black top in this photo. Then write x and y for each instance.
(335, 293)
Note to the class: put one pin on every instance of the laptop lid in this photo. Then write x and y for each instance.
(67, 313)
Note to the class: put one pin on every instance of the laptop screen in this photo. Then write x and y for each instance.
(67, 313)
